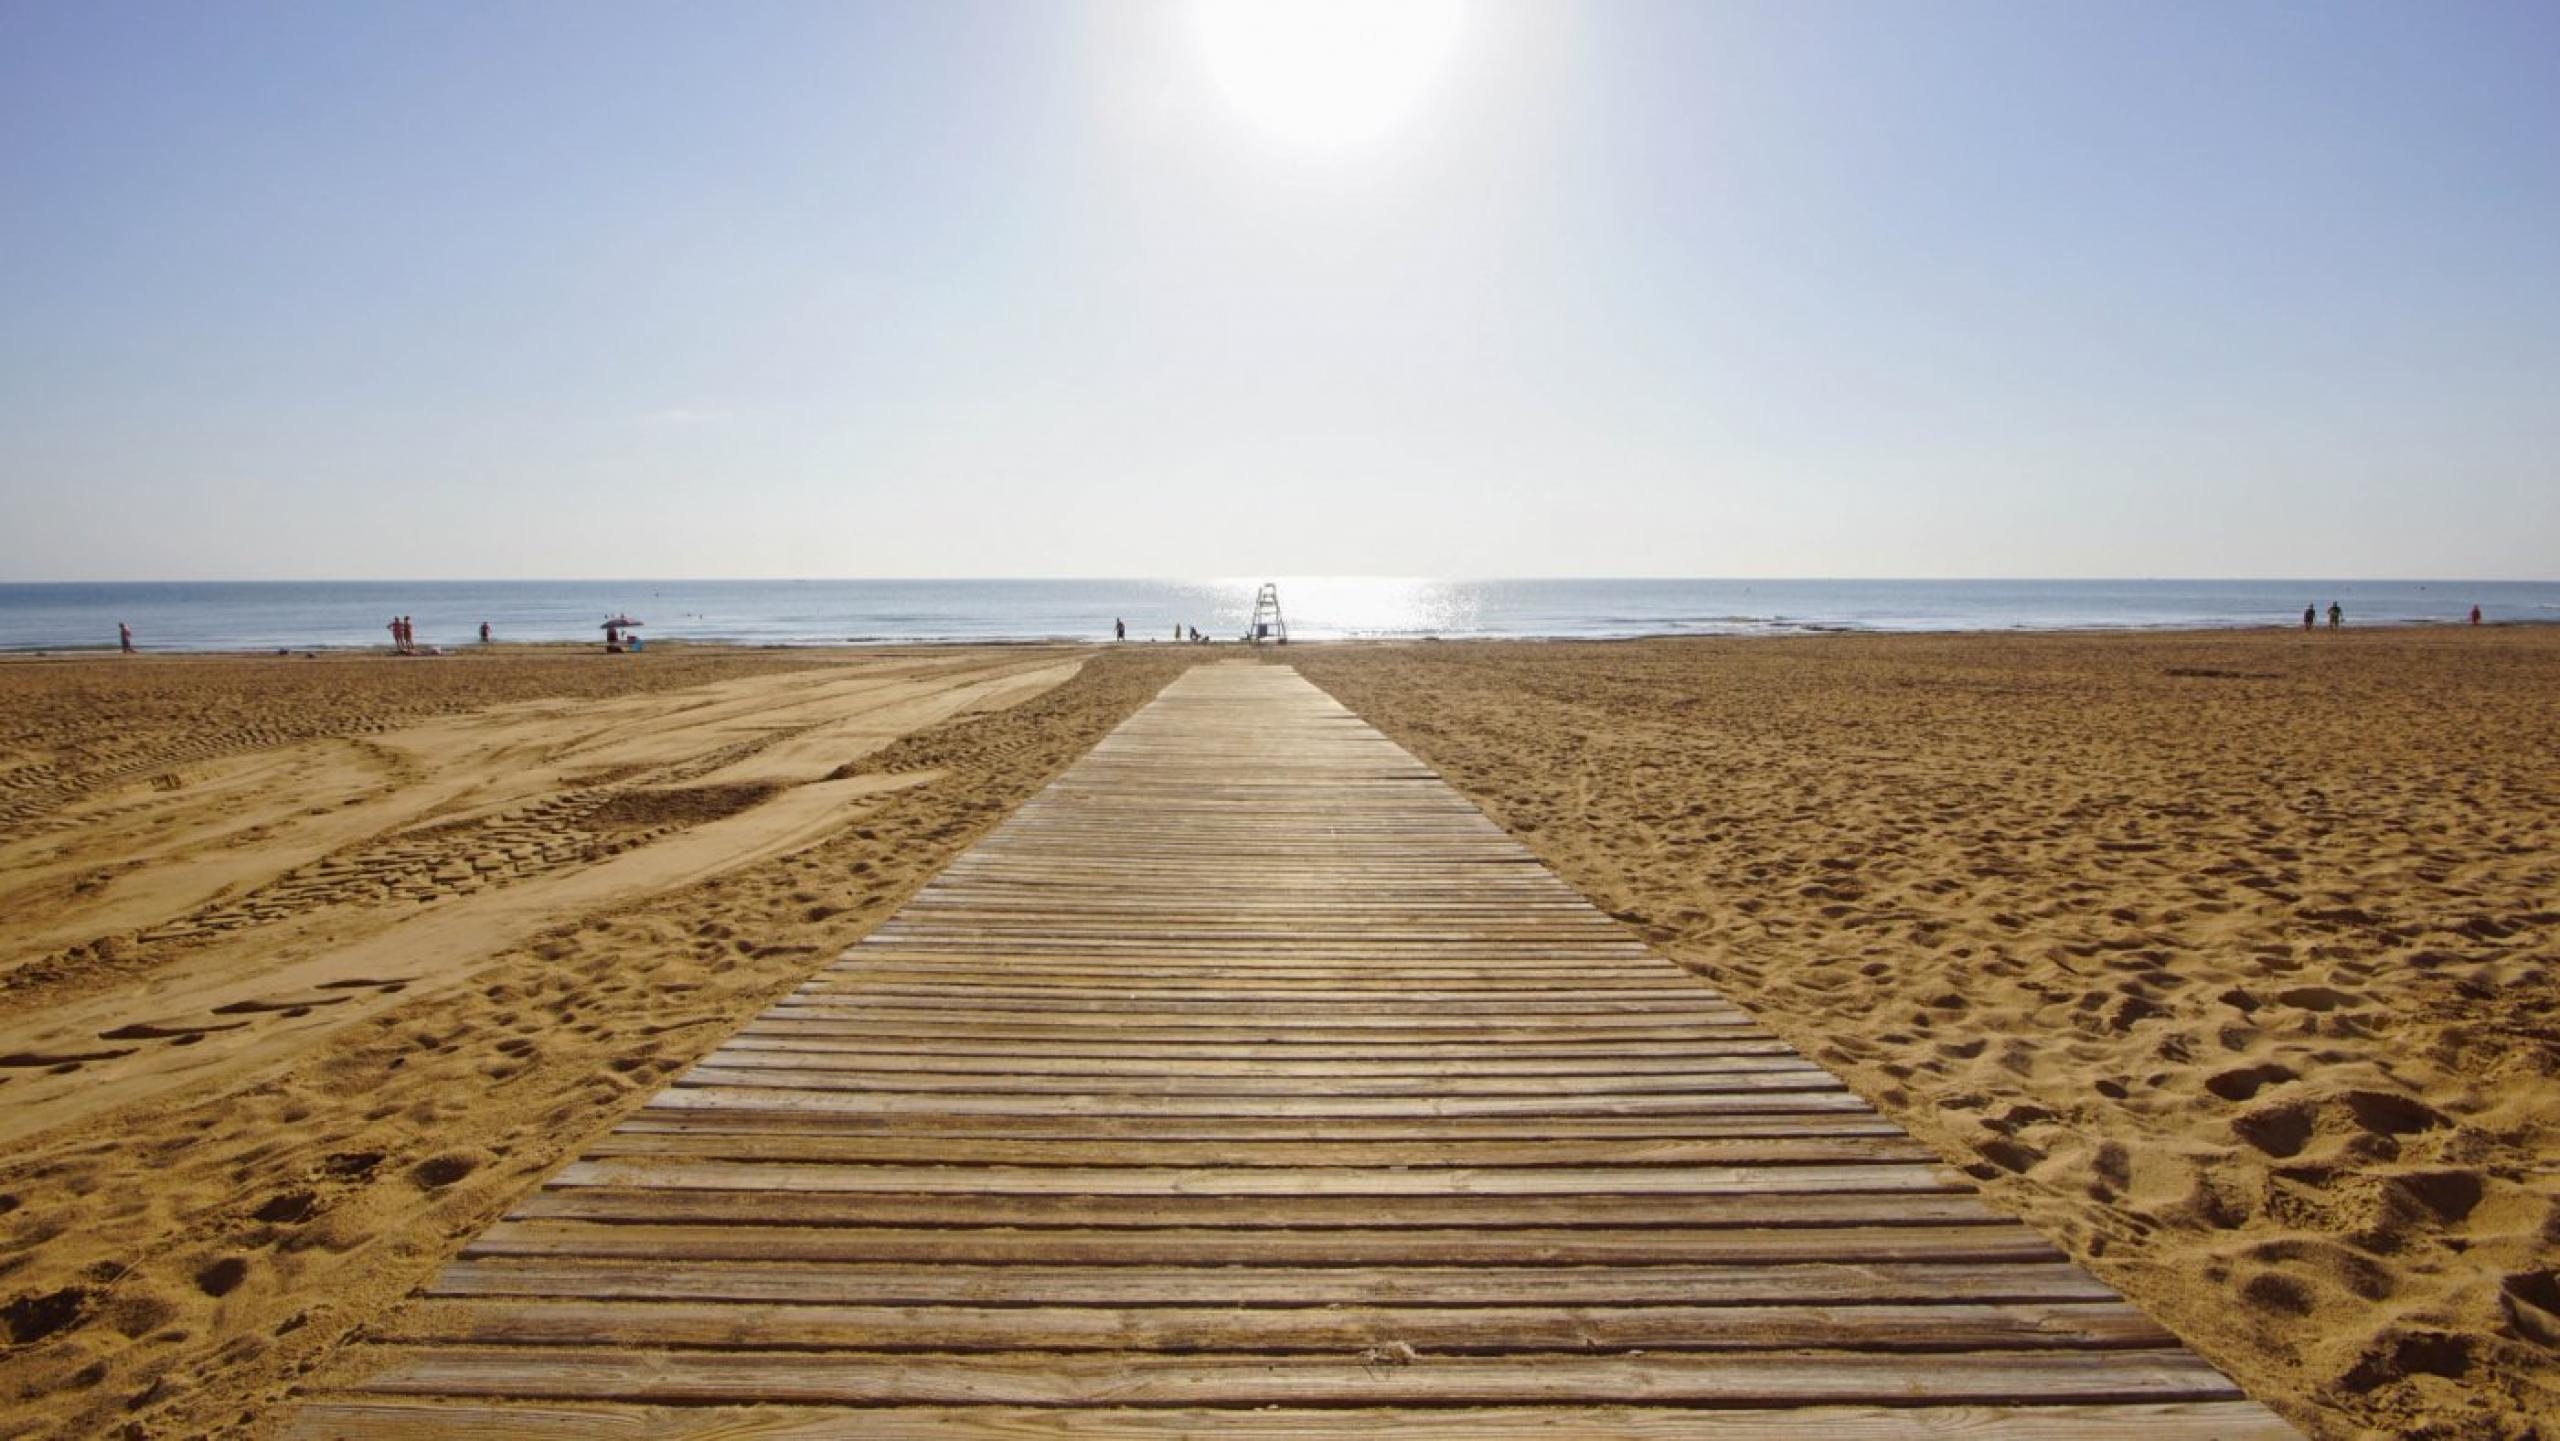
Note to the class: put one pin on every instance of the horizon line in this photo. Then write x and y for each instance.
(2421, 580)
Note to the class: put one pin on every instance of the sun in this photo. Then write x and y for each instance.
(1326, 72)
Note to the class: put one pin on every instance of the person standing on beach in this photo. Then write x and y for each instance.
(1119, 630)
(2337, 615)
(2310, 617)
(124, 633)
(2475, 615)
(484, 632)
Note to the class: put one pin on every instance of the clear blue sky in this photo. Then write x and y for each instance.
(2177, 287)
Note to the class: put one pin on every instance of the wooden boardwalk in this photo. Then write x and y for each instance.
(1250, 1082)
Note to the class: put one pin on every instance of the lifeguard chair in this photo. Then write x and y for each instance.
(1267, 624)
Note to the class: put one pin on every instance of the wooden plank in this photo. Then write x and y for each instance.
(1160, 1014)
(858, 1208)
(1677, 1180)
(824, 1055)
(1562, 1103)
(394, 1419)
(767, 1050)
(1371, 981)
(1367, 1050)
(1859, 1145)
(1359, 1039)
(1772, 1119)
(1140, 1379)
(1824, 1282)
(1171, 1246)
(811, 1074)
(1438, 1331)
(1117, 994)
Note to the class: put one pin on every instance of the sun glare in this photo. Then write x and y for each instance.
(1326, 72)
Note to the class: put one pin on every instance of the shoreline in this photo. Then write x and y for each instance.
(1773, 630)
(296, 616)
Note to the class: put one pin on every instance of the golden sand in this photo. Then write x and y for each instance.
(2231, 961)
(2228, 960)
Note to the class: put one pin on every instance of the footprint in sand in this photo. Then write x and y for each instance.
(29, 1319)
(2447, 1195)
(2531, 1300)
(2245, 1082)
(287, 1208)
(351, 1165)
(221, 1278)
(57, 1060)
(445, 1168)
(291, 1008)
(183, 1032)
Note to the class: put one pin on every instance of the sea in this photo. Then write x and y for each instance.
(335, 615)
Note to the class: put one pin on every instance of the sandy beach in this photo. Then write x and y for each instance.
(2224, 959)
(2230, 961)
(312, 965)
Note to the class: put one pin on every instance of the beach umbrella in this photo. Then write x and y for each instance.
(620, 622)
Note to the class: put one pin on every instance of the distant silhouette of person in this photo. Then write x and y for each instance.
(484, 632)
(124, 633)
(2310, 617)
(1119, 630)
(2337, 615)
(2475, 615)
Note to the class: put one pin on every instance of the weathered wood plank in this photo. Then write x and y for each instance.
(791, 1176)
(810, 1074)
(1237, 1246)
(1140, 1379)
(1560, 1103)
(767, 1050)
(391, 1419)
(1379, 1051)
(1438, 1331)
(1773, 1119)
(858, 1208)
(1863, 1143)
(1824, 1282)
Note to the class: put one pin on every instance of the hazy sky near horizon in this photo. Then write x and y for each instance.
(953, 288)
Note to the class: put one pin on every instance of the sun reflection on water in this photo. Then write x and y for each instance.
(1338, 607)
